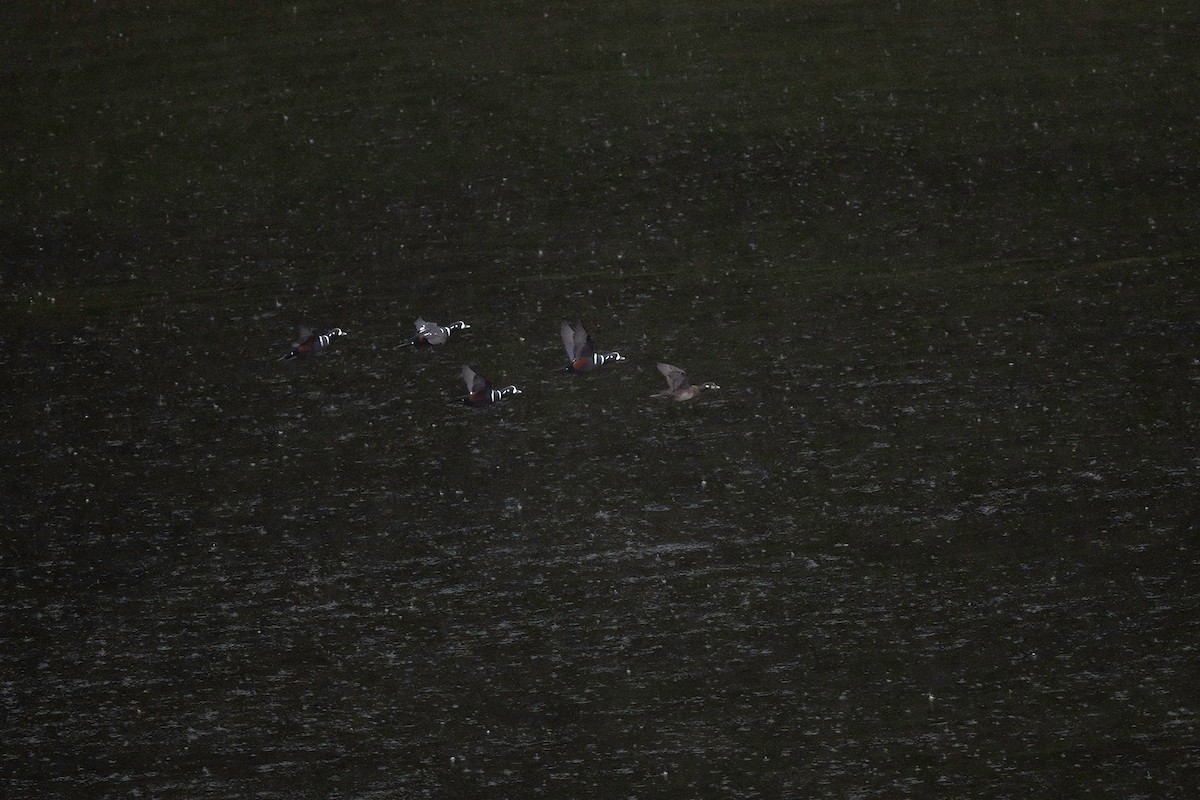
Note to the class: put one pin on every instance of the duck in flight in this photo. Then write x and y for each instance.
(430, 333)
(678, 385)
(311, 343)
(581, 350)
(480, 392)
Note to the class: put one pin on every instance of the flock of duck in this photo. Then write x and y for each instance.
(581, 357)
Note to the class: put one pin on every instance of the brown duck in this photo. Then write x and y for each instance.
(678, 385)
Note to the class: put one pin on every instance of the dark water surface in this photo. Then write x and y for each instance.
(935, 536)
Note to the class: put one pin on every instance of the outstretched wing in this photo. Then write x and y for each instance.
(676, 378)
(435, 334)
(568, 337)
(577, 340)
(584, 346)
(475, 383)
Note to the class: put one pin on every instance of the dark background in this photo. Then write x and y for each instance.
(934, 536)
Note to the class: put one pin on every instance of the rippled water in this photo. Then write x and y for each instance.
(933, 536)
